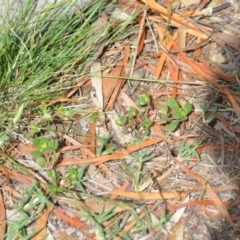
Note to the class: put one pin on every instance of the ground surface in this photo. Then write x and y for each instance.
(141, 178)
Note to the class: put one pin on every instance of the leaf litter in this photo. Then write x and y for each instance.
(180, 184)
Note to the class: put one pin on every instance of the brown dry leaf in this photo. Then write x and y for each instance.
(86, 151)
(181, 38)
(120, 81)
(99, 179)
(231, 40)
(98, 160)
(119, 136)
(150, 196)
(174, 219)
(128, 101)
(97, 206)
(3, 221)
(226, 123)
(232, 101)
(176, 232)
(96, 80)
(109, 84)
(12, 191)
(201, 180)
(26, 149)
(41, 225)
(167, 47)
(73, 222)
(176, 19)
(21, 178)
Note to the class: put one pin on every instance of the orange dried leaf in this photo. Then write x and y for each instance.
(215, 197)
(175, 18)
(232, 101)
(102, 159)
(150, 196)
(122, 188)
(3, 223)
(73, 222)
(142, 38)
(109, 84)
(41, 225)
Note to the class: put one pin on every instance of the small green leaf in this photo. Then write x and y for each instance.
(52, 144)
(173, 125)
(43, 108)
(163, 121)
(172, 103)
(122, 121)
(40, 143)
(41, 161)
(164, 108)
(177, 115)
(144, 100)
(146, 132)
(146, 123)
(47, 117)
(36, 154)
(187, 107)
(132, 112)
(109, 150)
(18, 113)
(93, 119)
(68, 112)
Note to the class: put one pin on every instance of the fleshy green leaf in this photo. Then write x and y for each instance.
(173, 125)
(42, 162)
(172, 103)
(188, 107)
(68, 112)
(163, 120)
(122, 121)
(132, 112)
(144, 100)
(146, 123)
(36, 154)
(94, 119)
(164, 108)
(52, 144)
(177, 115)
(40, 143)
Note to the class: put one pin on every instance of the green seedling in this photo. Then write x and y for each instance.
(75, 177)
(46, 151)
(122, 121)
(207, 114)
(132, 112)
(62, 111)
(100, 219)
(93, 119)
(187, 151)
(144, 100)
(136, 173)
(179, 114)
(104, 146)
(162, 222)
(135, 119)
(32, 204)
(53, 189)
(164, 115)
(146, 124)
(5, 137)
(46, 115)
